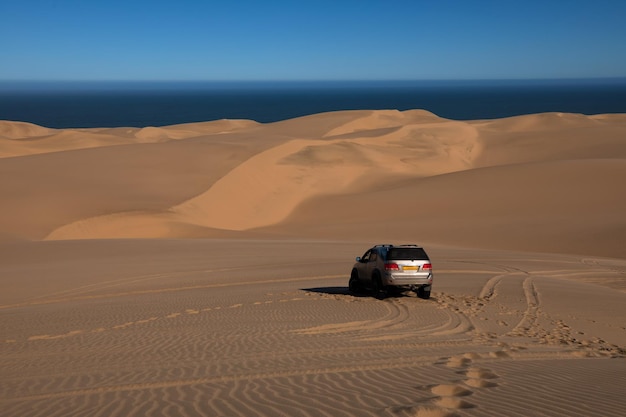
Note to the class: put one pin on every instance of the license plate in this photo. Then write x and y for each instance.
(411, 268)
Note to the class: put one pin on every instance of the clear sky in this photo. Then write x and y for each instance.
(311, 40)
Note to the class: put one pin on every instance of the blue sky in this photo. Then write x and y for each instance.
(311, 40)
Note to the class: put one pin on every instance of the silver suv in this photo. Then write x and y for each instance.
(387, 269)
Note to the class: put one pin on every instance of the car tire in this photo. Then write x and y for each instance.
(422, 293)
(354, 285)
(377, 287)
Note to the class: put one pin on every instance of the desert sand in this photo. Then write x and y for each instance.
(201, 269)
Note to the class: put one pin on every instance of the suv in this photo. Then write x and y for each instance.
(389, 268)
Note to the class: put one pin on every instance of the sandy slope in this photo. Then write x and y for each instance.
(251, 327)
(241, 308)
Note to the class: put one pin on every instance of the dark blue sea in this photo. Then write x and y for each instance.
(140, 104)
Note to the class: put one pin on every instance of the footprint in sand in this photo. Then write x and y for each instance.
(450, 390)
(447, 399)
(480, 378)
(462, 361)
(454, 403)
(480, 383)
(480, 373)
(458, 362)
(451, 397)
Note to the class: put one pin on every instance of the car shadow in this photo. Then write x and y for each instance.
(329, 290)
(346, 291)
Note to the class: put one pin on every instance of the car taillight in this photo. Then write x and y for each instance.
(427, 266)
(392, 267)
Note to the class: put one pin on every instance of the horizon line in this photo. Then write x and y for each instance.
(216, 80)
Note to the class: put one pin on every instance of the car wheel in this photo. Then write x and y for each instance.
(354, 286)
(422, 293)
(379, 290)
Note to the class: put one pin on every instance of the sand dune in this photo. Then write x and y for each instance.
(22, 130)
(17, 138)
(201, 269)
(265, 189)
(546, 182)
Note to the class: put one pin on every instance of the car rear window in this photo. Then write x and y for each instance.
(407, 254)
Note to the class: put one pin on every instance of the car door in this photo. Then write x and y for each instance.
(364, 275)
(372, 262)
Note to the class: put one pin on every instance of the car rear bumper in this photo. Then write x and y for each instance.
(404, 280)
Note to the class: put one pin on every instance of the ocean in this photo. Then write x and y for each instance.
(140, 104)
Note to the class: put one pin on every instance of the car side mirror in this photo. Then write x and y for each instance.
(358, 259)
